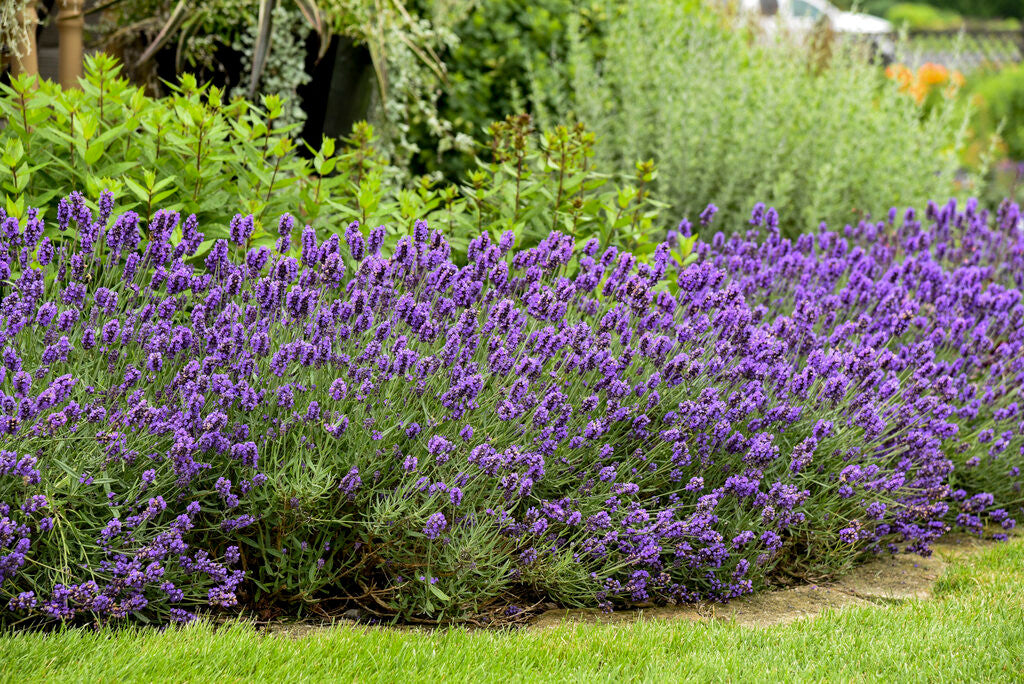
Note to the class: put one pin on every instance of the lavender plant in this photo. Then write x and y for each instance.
(341, 419)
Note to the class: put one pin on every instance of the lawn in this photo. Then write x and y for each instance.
(972, 631)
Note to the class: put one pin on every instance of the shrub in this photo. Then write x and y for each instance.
(216, 40)
(382, 426)
(195, 153)
(508, 53)
(1000, 102)
(726, 121)
(990, 9)
(914, 15)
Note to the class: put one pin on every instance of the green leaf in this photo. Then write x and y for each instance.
(94, 152)
(437, 592)
(16, 208)
(136, 189)
(159, 197)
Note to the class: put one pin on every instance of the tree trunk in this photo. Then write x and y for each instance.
(70, 23)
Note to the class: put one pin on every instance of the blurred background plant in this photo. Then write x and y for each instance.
(283, 72)
(262, 47)
(727, 119)
(999, 98)
(915, 15)
(404, 39)
(511, 56)
(997, 130)
(970, 10)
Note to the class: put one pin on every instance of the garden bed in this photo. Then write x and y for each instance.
(382, 427)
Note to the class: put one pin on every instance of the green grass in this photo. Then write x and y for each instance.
(973, 631)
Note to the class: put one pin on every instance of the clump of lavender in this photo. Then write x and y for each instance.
(190, 429)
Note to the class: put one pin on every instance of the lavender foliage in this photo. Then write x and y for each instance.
(343, 419)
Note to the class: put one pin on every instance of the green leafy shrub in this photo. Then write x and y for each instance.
(535, 182)
(218, 38)
(727, 121)
(193, 152)
(876, 7)
(999, 97)
(917, 15)
(509, 53)
(987, 9)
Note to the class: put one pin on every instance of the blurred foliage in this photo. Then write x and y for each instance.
(979, 9)
(405, 39)
(509, 54)
(999, 99)
(930, 84)
(284, 71)
(915, 15)
(217, 39)
(13, 27)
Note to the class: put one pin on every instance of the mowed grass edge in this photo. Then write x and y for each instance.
(973, 630)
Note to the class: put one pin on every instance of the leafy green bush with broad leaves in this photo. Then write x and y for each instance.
(727, 119)
(195, 152)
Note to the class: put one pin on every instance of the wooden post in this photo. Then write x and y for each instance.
(70, 23)
(28, 63)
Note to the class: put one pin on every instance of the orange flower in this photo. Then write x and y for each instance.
(932, 74)
(901, 74)
(919, 91)
(919, 85)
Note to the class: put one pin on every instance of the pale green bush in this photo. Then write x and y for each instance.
(728, 119)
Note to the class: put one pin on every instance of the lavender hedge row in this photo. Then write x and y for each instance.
(349, 420)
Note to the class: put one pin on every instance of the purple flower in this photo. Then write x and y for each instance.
(436, 524)
(708, 214)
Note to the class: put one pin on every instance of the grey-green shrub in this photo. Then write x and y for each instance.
(728, 119)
